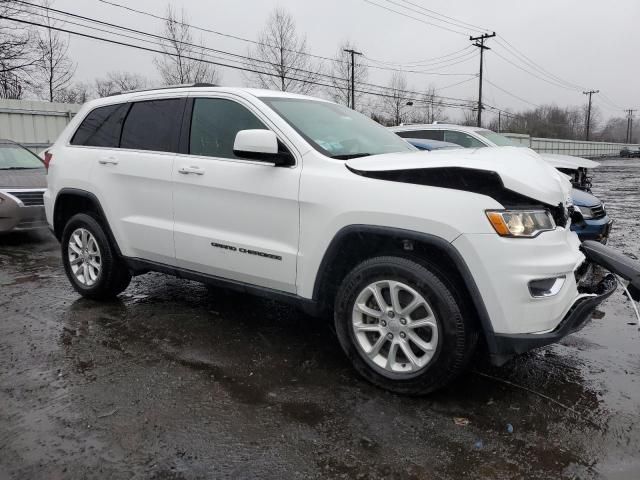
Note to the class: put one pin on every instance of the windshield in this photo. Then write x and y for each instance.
(13, 157)
(496, 138)
(337, 131)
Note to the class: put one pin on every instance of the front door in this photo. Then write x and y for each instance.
(234, 218)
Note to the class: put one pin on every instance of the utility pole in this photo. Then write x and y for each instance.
(479, 42)
(499, 121)
(629, 124)
(590, 92)
(353, 75)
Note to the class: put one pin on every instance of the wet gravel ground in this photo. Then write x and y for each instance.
(176, 381)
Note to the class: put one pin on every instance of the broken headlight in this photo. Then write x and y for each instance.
(521, 223)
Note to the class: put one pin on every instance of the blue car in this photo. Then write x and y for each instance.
(596, 225)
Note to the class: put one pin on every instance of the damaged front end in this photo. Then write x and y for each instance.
(596, 279)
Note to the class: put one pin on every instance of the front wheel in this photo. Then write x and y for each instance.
(90, 261)
(402, 327)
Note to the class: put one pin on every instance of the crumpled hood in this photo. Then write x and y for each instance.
(35, 178)
(568, 161)
(521, 170)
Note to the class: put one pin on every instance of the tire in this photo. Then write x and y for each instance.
(451, 335)
(106, 274)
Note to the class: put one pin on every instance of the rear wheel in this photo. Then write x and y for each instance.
(401, 326)
(90, 261)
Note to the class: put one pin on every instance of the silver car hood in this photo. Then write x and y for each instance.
(35, 178)
(521, 170)
(568, 161)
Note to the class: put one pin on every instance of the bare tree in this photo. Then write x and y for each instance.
(54, 67)
(340, 90)
(280, 58)
(119, 82)
(77, 93)
(470, 116)
(183, 61)
(16, 52)
(394, 103)
(430, 107)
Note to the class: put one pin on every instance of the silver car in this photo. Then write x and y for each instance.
(22, 183)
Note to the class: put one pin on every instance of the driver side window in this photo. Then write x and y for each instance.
(463, 139)
(214, 125)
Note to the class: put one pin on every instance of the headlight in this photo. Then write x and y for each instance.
(521, 223)
(586, 212)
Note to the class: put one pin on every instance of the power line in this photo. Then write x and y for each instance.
(413, 18)
(251, 65)
(459, 22)
(504, 43)
(236, 37)
(215, 32)
(422, 10)
(418, 63)
(427, 72)
(237, 67)
(457, 83)
(425, 64)
(531, 73)
(511, 94)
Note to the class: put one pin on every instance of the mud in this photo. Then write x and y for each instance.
(176, 381)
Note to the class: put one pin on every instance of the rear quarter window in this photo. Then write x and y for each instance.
(101, 127)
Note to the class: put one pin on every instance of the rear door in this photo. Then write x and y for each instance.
(234, 218)
(133, 182)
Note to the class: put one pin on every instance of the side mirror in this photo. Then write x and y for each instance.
(261, 145)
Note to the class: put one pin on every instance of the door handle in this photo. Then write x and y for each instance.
(108, 161)
(194, 170)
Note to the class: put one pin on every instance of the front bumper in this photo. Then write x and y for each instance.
(503, 268)
(596, 229)
(505, 346)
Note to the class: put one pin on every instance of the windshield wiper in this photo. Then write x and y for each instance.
(348, 156)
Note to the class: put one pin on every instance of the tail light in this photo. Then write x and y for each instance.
(48, 156)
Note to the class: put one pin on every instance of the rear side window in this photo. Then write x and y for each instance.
(214, 125)
(101, 127)
(463, 139)
(423, 134)
(153, 125)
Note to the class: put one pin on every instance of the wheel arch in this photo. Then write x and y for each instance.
(70, 201)
(355, 243)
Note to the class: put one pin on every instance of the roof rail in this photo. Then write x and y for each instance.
(182, 85)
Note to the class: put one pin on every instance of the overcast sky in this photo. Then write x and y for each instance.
(590, 43)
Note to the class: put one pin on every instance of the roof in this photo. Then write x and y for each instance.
(191, 88)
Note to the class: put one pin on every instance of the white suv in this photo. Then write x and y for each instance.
(418, 255)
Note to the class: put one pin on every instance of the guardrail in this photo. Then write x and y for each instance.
(578, 148)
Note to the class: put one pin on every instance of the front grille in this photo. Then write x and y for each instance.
(598, 211)
(29, 198)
